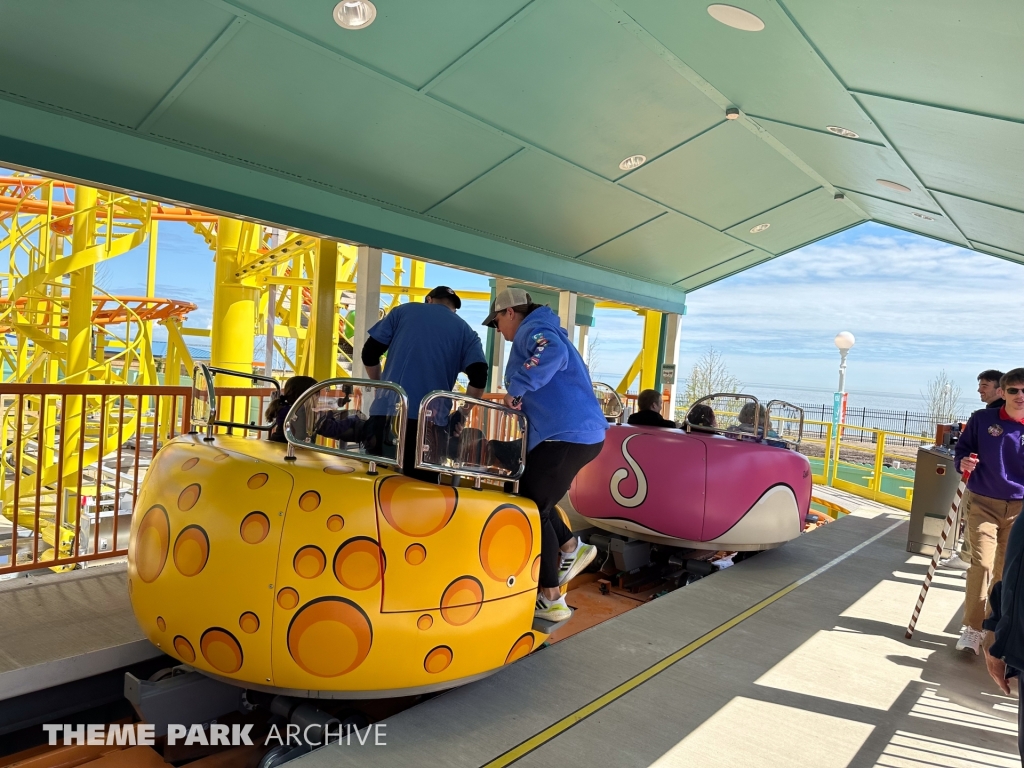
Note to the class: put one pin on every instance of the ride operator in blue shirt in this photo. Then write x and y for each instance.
(428, 345)
(547, 378)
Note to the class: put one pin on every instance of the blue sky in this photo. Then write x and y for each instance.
(916, 306)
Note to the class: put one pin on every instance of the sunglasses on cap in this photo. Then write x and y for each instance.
(1013, 390)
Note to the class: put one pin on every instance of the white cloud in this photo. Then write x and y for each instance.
(915, 305)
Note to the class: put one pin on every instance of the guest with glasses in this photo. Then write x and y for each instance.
(996, 436)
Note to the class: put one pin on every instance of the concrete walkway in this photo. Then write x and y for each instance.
(815, 675)
(57, 628)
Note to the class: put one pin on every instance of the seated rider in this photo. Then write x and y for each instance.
(280, 405)
(745, 420)
(702, 415)
(648, 412)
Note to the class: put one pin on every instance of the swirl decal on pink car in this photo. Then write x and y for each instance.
(622, 473)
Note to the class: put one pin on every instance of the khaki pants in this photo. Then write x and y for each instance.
(988, 528)
(965, 542)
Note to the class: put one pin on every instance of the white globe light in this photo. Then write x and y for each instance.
(844, 340)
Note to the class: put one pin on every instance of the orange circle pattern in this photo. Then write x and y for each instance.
(287, 598)
(221, 650)
(258, 480)
(309, 562)
(415, 554)
(161, 624)
(191, 550)
(462, 600)
(339, 470)
(506, 542)
(185, 650)
(309, 501)
(535, 569)
(249, 622)
(335, 523)
(188, 497)
(414, 508)
(438, 660)
(426, 621)
(520, 648)
(189, 464)
(329, 637)
(254, 528)
(359, 563)
(151, 543)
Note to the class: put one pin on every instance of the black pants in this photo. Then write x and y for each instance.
(411, 452)
(550, 470)
(379, 440)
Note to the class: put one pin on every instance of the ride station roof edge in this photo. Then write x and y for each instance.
(632, 150)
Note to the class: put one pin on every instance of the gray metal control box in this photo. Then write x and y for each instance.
(935, 483)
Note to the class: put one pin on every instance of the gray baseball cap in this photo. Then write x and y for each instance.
(510, 297)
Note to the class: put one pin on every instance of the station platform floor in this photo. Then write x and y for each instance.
(793, 658)
(61, 628)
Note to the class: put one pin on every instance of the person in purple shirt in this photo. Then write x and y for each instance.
(996, 486)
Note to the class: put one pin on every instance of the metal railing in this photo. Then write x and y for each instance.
(72, 459)
(497, 454)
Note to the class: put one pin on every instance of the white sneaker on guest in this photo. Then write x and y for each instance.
(970, 639)
(954, 562)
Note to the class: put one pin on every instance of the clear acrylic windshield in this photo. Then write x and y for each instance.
(460, 435)
(202, 386)
(785, 422)
(357, 418)
(608, 399)
(732, 414)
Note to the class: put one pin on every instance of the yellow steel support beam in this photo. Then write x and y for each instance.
(418, 279)
(650, 377)
(234, 305)
(631, 374)
(321, 356)
(80, 309)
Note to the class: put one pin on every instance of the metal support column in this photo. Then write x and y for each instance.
(80, 309)
(323, 323)
(672, 323)
(234, 307)
(581, 345)
(497, 350)
(567, 311)
(649, 373)
(367, 303)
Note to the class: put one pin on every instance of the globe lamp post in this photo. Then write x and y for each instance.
(844, 342)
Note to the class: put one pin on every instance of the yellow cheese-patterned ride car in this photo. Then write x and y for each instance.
(316, 568)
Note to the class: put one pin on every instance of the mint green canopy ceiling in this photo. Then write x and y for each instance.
(489, 133)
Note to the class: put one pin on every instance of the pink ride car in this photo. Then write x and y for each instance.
(722, 487)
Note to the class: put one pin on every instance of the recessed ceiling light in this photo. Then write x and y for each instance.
(846, 133)
(355, 14)
(759, 228)
(732, 113)
(633, 161)
(838, 196)
(893, 185)
(735, 17)
(924, 216)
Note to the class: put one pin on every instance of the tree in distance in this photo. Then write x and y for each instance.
(593, 358)
(942, 398)
(709, 375)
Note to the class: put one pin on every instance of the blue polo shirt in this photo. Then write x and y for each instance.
(428, 347)
(999, 442)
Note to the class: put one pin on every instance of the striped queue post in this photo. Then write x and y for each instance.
(947, 526)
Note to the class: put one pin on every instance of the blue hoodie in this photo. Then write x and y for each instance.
(545, 369)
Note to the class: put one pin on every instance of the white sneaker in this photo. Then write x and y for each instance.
(574, 562)
(955, 563)
(970, 639)
(556, 611)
